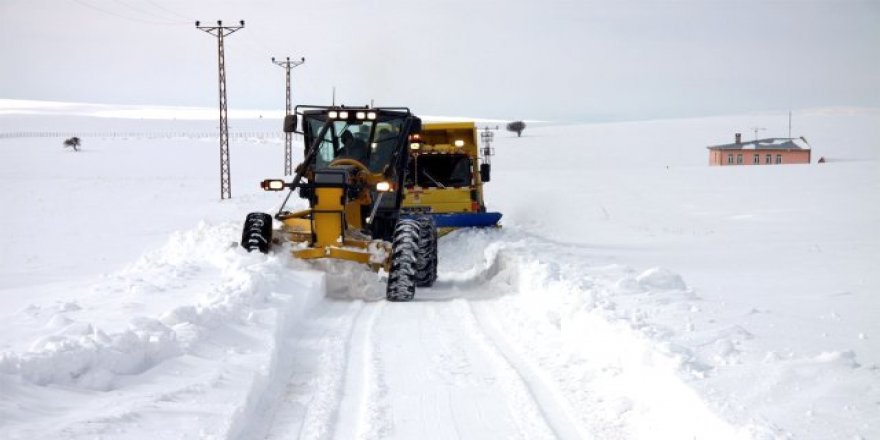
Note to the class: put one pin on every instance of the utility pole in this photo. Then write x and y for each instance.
(288, 137)
(222, 32)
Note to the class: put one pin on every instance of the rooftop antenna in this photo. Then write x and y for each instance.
(789, 124)
(756, 130)
(334, 95)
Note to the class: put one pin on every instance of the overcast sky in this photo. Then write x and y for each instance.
(531, 59)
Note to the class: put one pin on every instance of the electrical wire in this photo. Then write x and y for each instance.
(150, 13)
(189, 19)
(125, 17)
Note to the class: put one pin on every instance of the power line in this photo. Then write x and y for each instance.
(150, 13)
(125, 17)
(288, 143)
(222, 32)
(187, 18)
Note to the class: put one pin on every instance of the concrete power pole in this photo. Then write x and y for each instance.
(288, 107)
(221, 32)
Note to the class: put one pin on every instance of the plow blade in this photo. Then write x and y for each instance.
(467, 219)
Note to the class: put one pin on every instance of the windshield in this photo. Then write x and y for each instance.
(369, 142)
(440, 171)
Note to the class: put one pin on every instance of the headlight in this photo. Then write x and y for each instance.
(415, 145)
(332, 114)
(272, 185)
(343, 115)
(383, 187)
(360, 115)
(459, 143)
(371, 115)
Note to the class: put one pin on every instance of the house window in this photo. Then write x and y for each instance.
(730, 158)
(757, 159)
(739, 159)
(769, 159)
(778, 158)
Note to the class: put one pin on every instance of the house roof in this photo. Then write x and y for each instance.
(766, 144)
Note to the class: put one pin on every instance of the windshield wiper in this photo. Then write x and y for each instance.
(433, 179)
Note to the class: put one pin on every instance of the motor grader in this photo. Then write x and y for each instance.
(353, 174)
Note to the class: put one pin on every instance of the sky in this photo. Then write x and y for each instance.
(600, 60)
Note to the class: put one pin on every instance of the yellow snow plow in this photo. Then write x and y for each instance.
(352, 175)
(446, 174)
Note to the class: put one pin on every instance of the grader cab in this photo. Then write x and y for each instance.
(353, 174)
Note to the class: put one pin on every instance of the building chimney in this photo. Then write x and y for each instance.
(738, 137)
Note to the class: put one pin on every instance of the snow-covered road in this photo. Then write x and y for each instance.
(426, 371)
(469, 358)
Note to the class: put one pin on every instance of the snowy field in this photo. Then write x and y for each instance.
(634, 292)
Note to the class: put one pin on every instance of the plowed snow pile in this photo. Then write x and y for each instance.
(633, 293)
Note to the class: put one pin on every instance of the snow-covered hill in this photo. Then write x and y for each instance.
(634, 292)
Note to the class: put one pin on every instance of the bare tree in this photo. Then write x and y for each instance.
(517, 126)
(72, 143)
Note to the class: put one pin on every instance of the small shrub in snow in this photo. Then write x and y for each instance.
(516, 126)
(73, 142)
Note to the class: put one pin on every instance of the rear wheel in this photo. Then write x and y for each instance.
(257, 232)
(401, 277)
(426, 254)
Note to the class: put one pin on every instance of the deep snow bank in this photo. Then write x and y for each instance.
(213, 310)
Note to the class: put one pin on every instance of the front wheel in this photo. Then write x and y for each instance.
(426, 255)
(404, 247)
(256, 235)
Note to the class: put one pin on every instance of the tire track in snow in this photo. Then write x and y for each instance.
(444, 380)
(553, 406)
(355, 401)
(313, 387)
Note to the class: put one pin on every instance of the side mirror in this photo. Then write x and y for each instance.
(415, 126)
(484, 171)
(290, 124)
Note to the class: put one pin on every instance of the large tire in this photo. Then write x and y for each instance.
(257, 232)
(401, 277)
(426, 255)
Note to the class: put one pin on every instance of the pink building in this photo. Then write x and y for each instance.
(770, 151)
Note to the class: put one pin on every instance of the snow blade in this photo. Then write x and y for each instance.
(467, 219)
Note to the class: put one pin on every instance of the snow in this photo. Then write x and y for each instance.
(633, 291)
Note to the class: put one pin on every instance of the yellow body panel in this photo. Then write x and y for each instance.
(328, 220)
(333, 252)
(441, 137)
(324, 229)
(440, 199)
